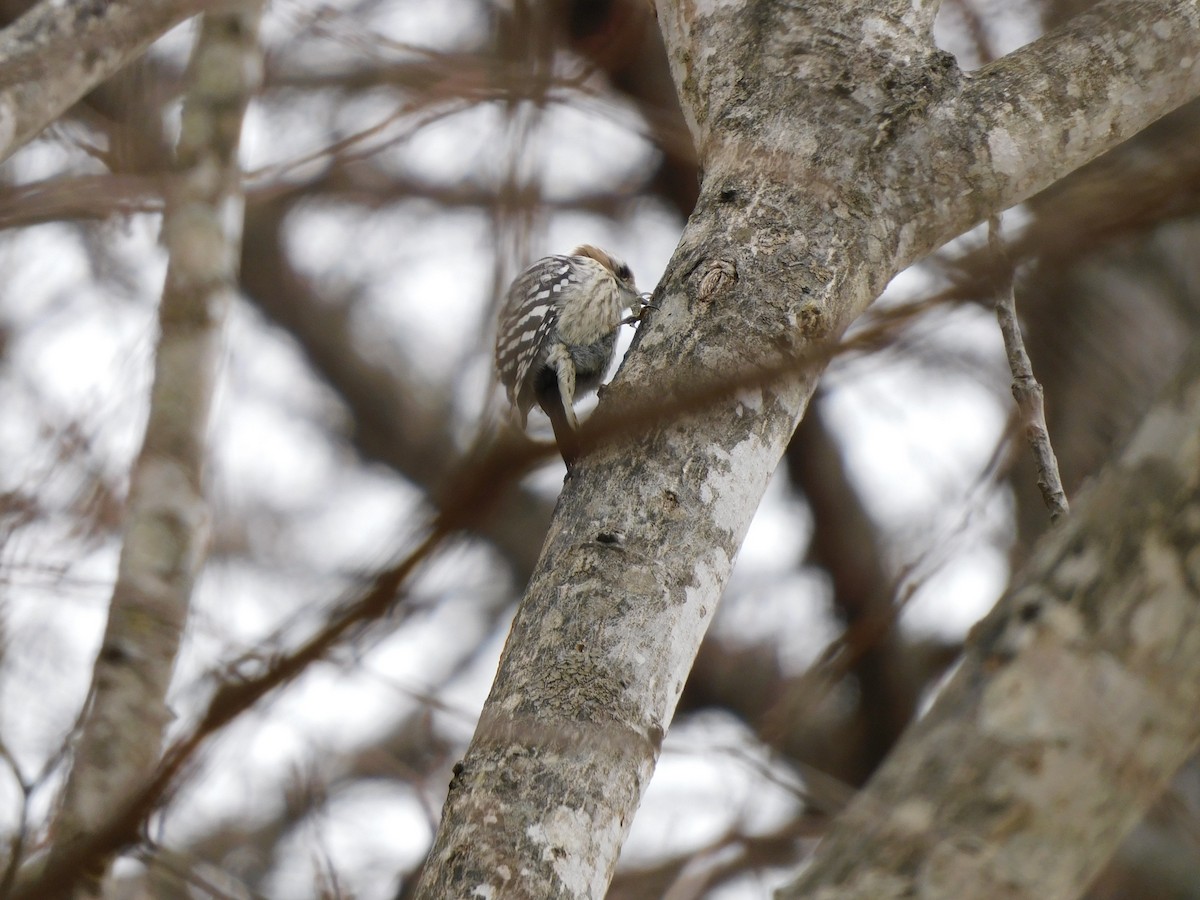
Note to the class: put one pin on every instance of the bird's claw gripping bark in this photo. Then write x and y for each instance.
(641, 312)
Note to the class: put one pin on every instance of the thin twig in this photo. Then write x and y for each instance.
(1026, 389)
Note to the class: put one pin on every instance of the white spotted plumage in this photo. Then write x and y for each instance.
(557, 332)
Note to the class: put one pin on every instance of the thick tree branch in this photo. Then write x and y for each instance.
(1035, 115)
(58, 51)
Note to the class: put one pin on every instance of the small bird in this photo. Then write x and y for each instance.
(558, 332)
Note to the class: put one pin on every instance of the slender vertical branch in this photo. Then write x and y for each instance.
(1025, 388)
(166, 526)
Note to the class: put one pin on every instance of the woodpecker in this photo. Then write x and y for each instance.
(557, 334)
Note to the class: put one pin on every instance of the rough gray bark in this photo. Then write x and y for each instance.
(1077, 700)
(58, 51)
(166, 526)
(838, 146)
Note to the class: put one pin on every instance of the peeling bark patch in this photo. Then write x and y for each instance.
(749, 399)
(561, 828)
(1006, 155)
(726, 489)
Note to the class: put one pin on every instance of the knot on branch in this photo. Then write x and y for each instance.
(719, 276)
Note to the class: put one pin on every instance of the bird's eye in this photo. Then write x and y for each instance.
(624, 272)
